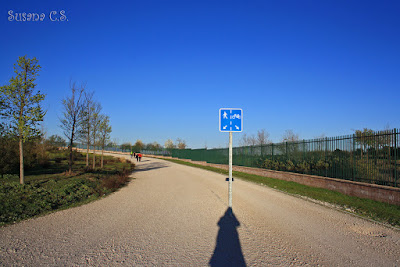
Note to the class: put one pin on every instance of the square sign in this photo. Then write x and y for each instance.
(230, 119)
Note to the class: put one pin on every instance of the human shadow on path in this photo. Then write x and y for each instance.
(228, 251)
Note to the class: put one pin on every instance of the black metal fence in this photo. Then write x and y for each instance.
(371, 157)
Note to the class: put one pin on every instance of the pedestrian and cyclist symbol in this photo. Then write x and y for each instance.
(230, 120)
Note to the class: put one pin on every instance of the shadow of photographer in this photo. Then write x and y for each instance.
(228, 251)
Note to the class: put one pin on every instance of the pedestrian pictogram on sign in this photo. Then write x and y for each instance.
(230, 120)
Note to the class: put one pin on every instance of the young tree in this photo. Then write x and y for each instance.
(289, 143)
(153, 146)
(21, 104)
(365, 139)
(96, 119)
(181, 143)
(87, 122)
(290, 136)
(71, 122)
(57, 141)
(105, 131)
(169, 144)
(126, 146)
(249, 140)
(262, 137)
(138, 146)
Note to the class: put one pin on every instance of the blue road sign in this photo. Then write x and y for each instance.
(230, 119)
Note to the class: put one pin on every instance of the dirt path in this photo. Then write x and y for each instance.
(177, 215)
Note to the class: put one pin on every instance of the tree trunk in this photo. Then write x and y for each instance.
(94, 154)
(70, 153)
(102, 154)
(70, 159)
(87, 149)
(21, 161)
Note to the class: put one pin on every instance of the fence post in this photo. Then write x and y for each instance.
(395, 157)
(354, 157)
(272, 150)
(326, 159)
(286, 151)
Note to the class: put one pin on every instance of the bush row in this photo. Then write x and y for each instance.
(18, 202)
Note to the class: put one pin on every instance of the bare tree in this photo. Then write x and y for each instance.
(105, 130)
(250, 140)
(181, 143)
(365, 139)
(96, 119)
(290, 136)
(169, 144)
(262, 137)
(290, 145)
(86, 127)
(72, 119)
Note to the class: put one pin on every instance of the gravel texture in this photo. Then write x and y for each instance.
(174, 215)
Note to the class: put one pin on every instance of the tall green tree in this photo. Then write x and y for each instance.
(22, 104)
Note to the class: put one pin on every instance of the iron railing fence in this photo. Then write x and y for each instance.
(117, 148)
(371, 157)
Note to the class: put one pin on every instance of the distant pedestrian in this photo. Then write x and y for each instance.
(137, 157)
(131, 154)
(140, 156)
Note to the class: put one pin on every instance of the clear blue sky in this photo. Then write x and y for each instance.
(162, 69)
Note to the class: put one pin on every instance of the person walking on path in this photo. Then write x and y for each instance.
(131, 154)
(140, 156)
(137, 156)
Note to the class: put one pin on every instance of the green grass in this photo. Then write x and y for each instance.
(379, 211)
(49, 188)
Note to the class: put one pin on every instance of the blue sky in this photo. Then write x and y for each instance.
(162, 69)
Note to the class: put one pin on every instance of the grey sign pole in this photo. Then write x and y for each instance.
(230, 120)
(230, 169)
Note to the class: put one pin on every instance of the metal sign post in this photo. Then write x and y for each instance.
(230, 171)
(230, 120)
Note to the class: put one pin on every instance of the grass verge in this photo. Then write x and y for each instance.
(51, 188)
(378, 211)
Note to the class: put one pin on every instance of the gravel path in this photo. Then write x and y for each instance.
(172, 215)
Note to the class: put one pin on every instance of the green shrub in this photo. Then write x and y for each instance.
(23, 201)
(321, 165)
(303, 167)
(290, 166)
